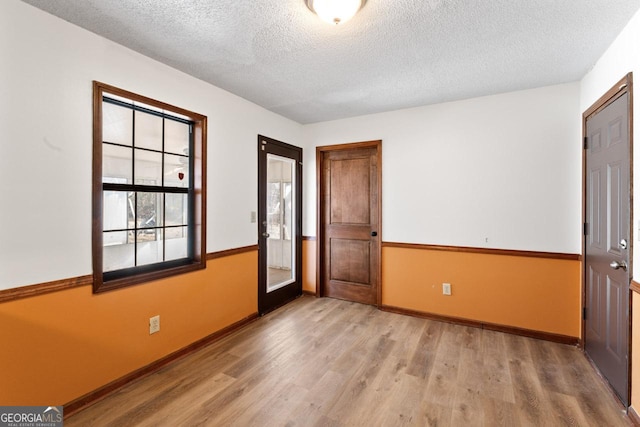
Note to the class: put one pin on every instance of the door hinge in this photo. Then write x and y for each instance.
(585, 144)
(584, 313)
(585, 229)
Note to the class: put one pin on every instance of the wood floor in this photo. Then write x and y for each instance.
(277, 275)
(325, 362)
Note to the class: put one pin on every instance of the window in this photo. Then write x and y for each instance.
(148, 189)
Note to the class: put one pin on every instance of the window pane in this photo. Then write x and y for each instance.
(118, 250)
(148, 168)
(114, 210)
(116, 164)
(176, 243)
(274, 224)
(176, 137)
(146, 188)
(287, 208)
(131, 210)
(280, 211)
(176, 206)
(148, 131)
(149, 246)
(149, 210)
(176, 171)
(117, 124)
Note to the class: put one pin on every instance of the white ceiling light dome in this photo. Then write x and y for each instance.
(335, 11)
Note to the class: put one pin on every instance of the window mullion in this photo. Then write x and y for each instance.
(190, 198)
(109, 186)
(135, 193)
(135, 228)
(164, 198)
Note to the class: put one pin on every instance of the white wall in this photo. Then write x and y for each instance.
(622, 57)
(46, 71)
(506, 168)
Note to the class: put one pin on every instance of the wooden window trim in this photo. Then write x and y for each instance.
(200, 193)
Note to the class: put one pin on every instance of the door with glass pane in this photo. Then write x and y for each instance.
(279, 223)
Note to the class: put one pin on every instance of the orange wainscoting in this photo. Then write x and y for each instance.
(309, 265)
(539, 294)
(59, 346)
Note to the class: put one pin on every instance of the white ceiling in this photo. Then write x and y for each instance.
(394, 54)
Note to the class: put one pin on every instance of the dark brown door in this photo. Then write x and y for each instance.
(279, 223)
(607, 242)
(349, 234)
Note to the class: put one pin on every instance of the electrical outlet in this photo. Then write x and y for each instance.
(446, 289)
(154, 324)
(254, 217)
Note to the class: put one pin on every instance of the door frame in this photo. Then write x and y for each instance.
(262, 242)
(320, 261)
(624, 85)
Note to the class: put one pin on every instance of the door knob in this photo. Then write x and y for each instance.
(616, 265)
(374, 233)
(265, 235)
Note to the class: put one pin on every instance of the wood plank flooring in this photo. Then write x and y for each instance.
(326, 362)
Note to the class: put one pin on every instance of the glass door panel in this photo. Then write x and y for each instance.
(281, 204)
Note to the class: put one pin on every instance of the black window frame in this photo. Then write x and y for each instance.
(196, 191)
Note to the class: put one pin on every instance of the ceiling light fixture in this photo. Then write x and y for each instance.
(335, 11)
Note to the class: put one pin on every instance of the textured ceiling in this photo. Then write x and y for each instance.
(394, 54)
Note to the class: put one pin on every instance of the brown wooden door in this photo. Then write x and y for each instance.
(608, 242)
(349, 234)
